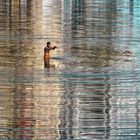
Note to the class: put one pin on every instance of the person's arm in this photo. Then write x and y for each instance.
(53, 48)
(48, 49)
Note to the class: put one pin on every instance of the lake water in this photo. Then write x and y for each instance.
(91, 88)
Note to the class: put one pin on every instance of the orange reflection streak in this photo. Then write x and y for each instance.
(24, 121)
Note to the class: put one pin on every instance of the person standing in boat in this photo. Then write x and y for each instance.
(47, 50)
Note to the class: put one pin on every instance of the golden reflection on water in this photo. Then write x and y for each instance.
(29, 109)
(46, 112)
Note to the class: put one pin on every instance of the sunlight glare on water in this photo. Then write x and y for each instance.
(90, 89)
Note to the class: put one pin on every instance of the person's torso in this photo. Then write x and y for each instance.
(46, 53)
(46, 50)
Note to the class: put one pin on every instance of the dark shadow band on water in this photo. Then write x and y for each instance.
(58, 58)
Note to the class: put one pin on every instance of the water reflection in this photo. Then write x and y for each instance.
(23, 120)
(88, 90)
(29, 102)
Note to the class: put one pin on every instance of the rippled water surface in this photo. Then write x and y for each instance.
(91, 88)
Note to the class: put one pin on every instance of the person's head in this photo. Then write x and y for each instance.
(48, 44)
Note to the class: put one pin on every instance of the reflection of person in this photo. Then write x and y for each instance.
(47, 50)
